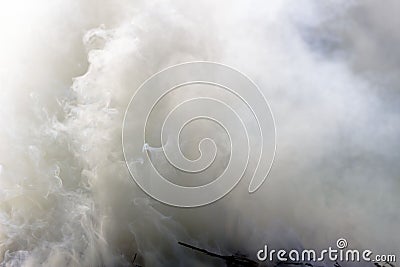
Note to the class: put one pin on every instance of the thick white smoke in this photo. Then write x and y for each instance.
(68, 70)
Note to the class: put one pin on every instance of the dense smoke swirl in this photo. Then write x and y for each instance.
(251, 138)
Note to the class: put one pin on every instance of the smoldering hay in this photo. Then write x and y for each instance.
(68, 70)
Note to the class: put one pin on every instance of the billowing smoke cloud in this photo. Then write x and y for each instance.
(68, 70)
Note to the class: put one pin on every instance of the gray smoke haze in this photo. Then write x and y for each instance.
(330, 71)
